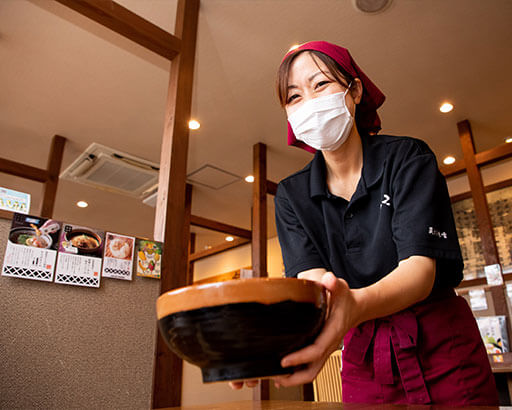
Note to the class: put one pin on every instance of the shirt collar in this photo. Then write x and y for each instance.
(374, 157)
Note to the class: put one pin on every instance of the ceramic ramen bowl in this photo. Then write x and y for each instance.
(241, 329)
(84, 240)
(27, 236)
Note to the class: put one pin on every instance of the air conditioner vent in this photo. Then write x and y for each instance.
(104, 168)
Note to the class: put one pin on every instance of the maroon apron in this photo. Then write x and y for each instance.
(431, 352)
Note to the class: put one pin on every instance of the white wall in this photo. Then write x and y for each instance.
(490, 175)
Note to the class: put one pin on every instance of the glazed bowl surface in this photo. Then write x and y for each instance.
(241, 329)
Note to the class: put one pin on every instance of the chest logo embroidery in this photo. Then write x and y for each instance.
(386, 200)
(434, 232)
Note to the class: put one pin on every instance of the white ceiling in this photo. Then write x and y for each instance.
(63, 74)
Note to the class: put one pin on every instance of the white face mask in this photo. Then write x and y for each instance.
(323, 123)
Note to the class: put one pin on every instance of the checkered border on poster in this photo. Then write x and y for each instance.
(27, 273)
(93, 282)
(121, 272)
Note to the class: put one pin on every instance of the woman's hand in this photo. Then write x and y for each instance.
(341, 317)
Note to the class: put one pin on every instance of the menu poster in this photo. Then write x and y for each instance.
(493, 330)
(118, 256)
(14, 201)
(80, 255)
(31, 248)
(149, 261)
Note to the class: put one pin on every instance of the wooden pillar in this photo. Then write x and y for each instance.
(171, 216)
(53, 169)
(191, 250)
(259, 235)
(259, 211)
(483, 216)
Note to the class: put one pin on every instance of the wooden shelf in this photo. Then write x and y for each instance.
(505, 366)
(481, 281)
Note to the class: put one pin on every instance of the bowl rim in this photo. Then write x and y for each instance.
(259, 290)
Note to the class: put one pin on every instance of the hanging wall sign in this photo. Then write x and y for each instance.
(80, 254)
(149, 261)
(118, 256)
(31, 248)
(14, 201)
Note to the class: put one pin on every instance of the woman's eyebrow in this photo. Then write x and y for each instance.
(314, 75)
(309, 80)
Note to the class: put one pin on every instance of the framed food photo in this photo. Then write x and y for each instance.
(118, 256)
(80, 256)
(149, 258)
(31, 248)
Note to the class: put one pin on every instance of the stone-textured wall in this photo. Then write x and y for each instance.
(69, 347)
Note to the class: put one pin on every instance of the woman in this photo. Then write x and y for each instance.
(370, 219)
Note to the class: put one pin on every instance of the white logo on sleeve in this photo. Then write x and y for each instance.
(386, 200)
(434, 232)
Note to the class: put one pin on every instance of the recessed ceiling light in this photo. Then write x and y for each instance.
(193, 124)
(294, 47)
(449, 160)
(446, 107)
(371, 6)
(82, 204)
(508, 140)
(230, 238)
(249, 178)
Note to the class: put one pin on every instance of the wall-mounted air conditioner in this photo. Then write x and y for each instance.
(112, 170)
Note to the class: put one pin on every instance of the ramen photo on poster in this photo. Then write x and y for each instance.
(34, 231)
(80, 240)
(32, 248)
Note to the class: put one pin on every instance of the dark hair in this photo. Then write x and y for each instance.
(335, 70)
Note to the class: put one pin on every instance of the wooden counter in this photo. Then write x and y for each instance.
(308, 405)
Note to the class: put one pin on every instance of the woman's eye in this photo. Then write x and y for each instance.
(321, 83)
(291, 98)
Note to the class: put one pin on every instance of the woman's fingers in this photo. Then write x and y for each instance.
(302, 376)
(329, 336)
(238, 385)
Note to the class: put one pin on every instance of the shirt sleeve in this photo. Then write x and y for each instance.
(299, 252)
(422, 221)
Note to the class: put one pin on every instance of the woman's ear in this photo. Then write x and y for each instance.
(356, 91)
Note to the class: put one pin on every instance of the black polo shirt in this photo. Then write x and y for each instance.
(400, 208)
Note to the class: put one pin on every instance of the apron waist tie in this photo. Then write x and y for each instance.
(398, 331)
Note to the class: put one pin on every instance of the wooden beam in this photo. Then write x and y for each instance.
(259, 236)
(495, 154)
(128, 24)
(488, 188)
(220, 227)
(483, 217)
(218, 249)
(490, 156)
(6, 214)
(53, 169)
(170, 206)
(24, 171)
(271, 188)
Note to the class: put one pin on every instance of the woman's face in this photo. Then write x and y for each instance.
(307, 81)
